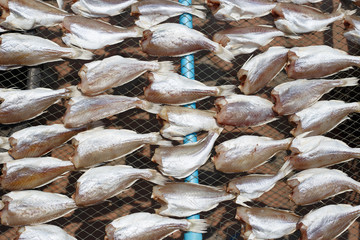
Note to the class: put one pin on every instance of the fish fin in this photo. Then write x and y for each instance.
(165, 67)
(5, 157)
(198, 225)
(157, 178)
(60, 4)
(149, 106)
(286, 169)
(292, 36)
(82, 54)
(226, 90)
(4, 143)
(241, 200)
(224, 54)
(197, 10)
(348, 82)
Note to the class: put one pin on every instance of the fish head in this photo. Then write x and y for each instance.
(303, 229)
(146, 39)
(135, 12)
(277, 11)
(290, 67)
(213, 5)
(221, 38)
(244, 85)
(231, 188)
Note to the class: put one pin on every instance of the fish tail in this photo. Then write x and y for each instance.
(4, 143)
(157, 139)
(73, 91)
(285, 169)
(5, 157)
(224, 54)
(157, 178)
(82, 54)
(198, 10)
(241, 200)
(149, 106)
(342, 12)
(138, 31)
(198, 225)
(348, 82)
(165, 67)
(226, 90)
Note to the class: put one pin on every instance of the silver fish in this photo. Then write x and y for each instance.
(83, 110)
(186, 199)
(28, 14)
(319, 151)
(292, 18)
(173, 88)
(181, 161)
(322, 117)
(147, 226)
(234, 10)
(294, 96)
(352, 27)
(328, 222)
(28, 173)
(308, 62)
(30, 207)
(100, 8)
(153, 12)
(38, 140)
(43, 232)
(261, 69)
(181, 121)
(245, 40)
(175, 40)
(315, 184)
(100, 145)
(19, 50)
(101, 183)
(247, 152)
(300, 1)
(266, 223)
(84, 32)
(253, 186)
(20, 105)
(244, 111)
(99, 76)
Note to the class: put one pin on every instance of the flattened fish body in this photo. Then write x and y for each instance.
(94, 34)
(267, 223)
(261, 69)
(185, 199)
(319, 151)
(28, 14)
(322, 117)
(39, 140)
(315, 184)
(18, 50)
(20, 105)
(43, 232)
(34, 207)
(244, 111)
(29, 173)
(328, 222)
(146, 226)
(247, 152)
(100, 8)
(308, 62)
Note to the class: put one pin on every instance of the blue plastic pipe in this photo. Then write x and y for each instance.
(188, 70)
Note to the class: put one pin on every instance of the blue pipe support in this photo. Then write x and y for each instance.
(188, 70)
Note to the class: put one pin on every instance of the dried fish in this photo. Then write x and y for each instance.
(94, 34)
(28, 14)
(175, 40)
(83, 110)
(300, 1)
(181, 121)
(328, 222)
(292, 18)
(261, 69)
(100, 145)
(266, 223)
(181, 161)
(244, 111)
(352, 27)
(38, 140)
(294, 96)
(315, 184)
(101, 183)
(149, 226)
(100, 8)
(356, 2)
(185, 199)
(153, 12)
(308, 62)
(28, 173)
(319, 151)
(43, 232)
(20, 105)
(247, 152)
(34, 207)
(253, 186)
(234, 10)
(245, 40)
(98, 76)
(19, 50)
(322, 117)
(173, 88)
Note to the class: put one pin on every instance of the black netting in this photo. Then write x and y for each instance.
(89, 223)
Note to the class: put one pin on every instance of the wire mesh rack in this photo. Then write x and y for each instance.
(89, 223)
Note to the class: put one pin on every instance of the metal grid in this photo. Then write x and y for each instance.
(89, 223)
